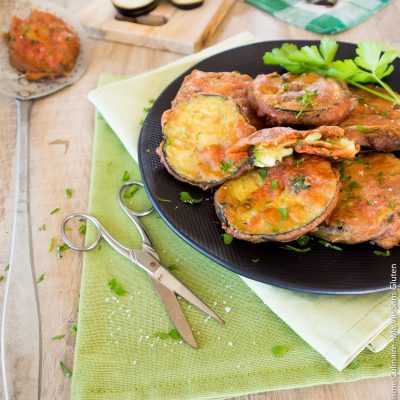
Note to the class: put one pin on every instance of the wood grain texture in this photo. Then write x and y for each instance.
(99, 18)
(67, 118)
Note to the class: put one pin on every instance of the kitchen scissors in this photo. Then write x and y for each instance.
(166, 285)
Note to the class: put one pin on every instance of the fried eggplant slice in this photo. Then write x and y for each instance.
(374, 123)
(280, 203)
(196, 136)
(228, 84)
(42, 46)
(307, 99)
(369, 202)
(267, 146)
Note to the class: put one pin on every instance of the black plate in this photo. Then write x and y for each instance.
(354, 270)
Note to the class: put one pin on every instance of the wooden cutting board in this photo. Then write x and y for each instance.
(185, 31)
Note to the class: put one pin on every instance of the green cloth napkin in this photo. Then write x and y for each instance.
(119, 354)
(320, 19)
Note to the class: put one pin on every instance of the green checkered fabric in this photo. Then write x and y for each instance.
(318, 18)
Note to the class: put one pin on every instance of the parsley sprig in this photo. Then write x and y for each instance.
(371, 65)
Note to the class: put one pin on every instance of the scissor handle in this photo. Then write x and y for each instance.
(128, 210)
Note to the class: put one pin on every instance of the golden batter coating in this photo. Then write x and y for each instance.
(369, 203)
(280, 203)
(374, 123)
(307, 99)
(267, 146)
(42, 46)
(228, 84)
(196, 136)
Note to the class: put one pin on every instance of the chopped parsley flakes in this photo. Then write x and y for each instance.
(185, 197)
(299, 183)
(381, 253)
(116, 287)
(226, 165)
(69, 192)
(330, 245)
(65, 370)
(227, 238)
(292, 248)
(279, 351)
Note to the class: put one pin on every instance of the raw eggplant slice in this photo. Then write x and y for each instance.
(196, 136)
(229, 84)
(267, 146)
(280, 203)
(135, 8)
(369, 202)
(307, 99)
(187, 4)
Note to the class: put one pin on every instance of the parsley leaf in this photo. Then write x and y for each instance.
(58, 337)
(330, 245)
(130, 191)
(274, 185)
(263, 173)
(51, 245)
(1, 277)
(227, 238)
(283, 213)
(292, 248)
(303, 240)
(380, 177)
(300, 160)
(126, 176)
(307, 100)
(363, 129)
(65, 370)
(74, 329)
(164, 200)
(279, 351)
(372, 64)
(116, 287)
(185, 197)
(226, 165)
(299, 183)
(69, 192)
(40, 279)
(82, 228)
(42, 227)
(172, 334)
(61, 248)
(381, 253)
(57, 209)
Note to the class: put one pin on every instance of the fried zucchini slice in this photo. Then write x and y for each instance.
(369, 202)
(280, 203)
(267, 146)
(307, 99)
(196, 136)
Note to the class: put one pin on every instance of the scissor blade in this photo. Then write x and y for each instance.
(175, 312)
(172, 283)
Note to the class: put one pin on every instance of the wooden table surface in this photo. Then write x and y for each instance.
(61, 152)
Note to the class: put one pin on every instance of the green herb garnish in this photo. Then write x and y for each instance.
(292, 248)
(363, 129)
(74, 329)
(285, 87)
(274, 185)
(371, 65)
(69, 192)
(82, 229)
(391, 204)
(263, 173)
(58, 337)
(42, 227)
(148, 151)
(51, 245)
(226, 165)
(255, 260)
(303, 240)
(299, 161)
(126, 176)
(7, 267)
(279, 351)
(299, 183)
(1, 277)
(380, 177)
(116, 287)
(164, 200)
(60, 249)
(130, 191)
(330, 245)
(227, 238)
(185, 197)
(284, 214)
(381, 253)
(65, 370)
(172, 267)
(354, 184)
(57, 209)
(172, 334)
(40, 279)
(307, 100)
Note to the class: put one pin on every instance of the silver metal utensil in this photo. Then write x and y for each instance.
(20, 328)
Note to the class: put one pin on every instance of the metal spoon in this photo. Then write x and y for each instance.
(20, 329)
